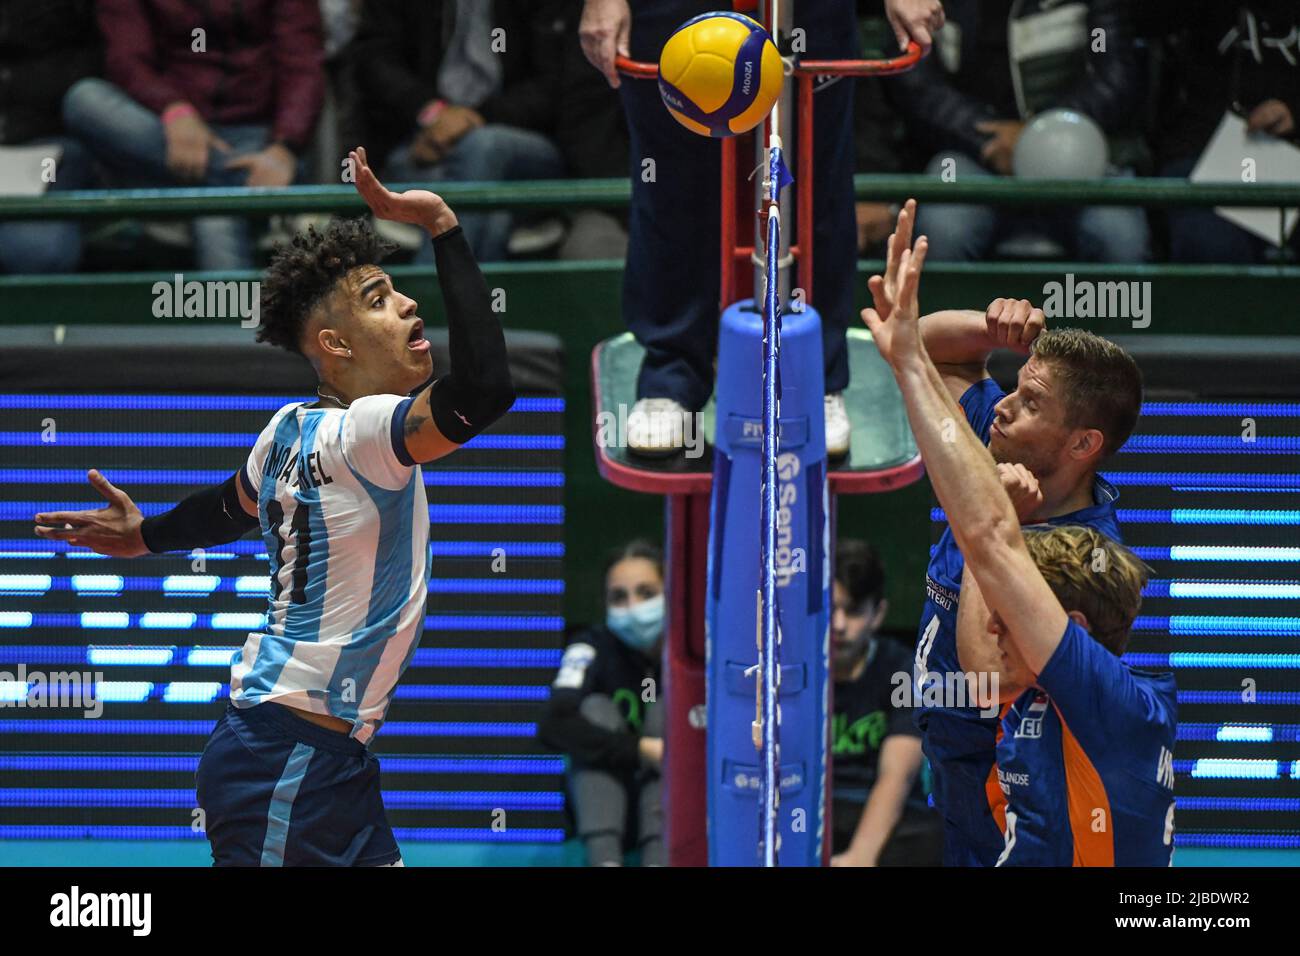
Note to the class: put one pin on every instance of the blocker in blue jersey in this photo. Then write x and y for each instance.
(802, 569)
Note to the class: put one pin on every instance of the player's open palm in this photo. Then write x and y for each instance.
(898, 337)
(419, 207)
(900, 240)
(113, 530)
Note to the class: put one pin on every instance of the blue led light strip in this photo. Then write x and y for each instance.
(475, 834)
(122, 620)
(101, 655)
(204, 403)
(1234, 553)
(1250, 804)
(1205, 480)
(1207, 516)
(32, 439)
(438, 514)
(1221, 409)
(202, 728)
(1223, 590)
(411, 834)
(160, 797)
(1239, 841)
(1211, 444)
(103, 763)
(1264, 697)
(199, 585)
(1215, 659)
(257, 549)
(196, 476)
(1243, 732)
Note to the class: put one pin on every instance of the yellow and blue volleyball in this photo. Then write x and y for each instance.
(720, 74)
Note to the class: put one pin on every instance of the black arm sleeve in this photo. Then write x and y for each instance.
(564, 728)
(211, 516)
(478, 390)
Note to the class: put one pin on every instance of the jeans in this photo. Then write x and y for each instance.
(52, 245)
(1197, 234)
(671, 280)
(967, 233)
(491, 152)
(128, 139)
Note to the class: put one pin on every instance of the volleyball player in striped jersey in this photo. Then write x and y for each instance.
(335, 486)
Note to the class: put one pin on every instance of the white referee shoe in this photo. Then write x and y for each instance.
(655, 427)
(837, 426)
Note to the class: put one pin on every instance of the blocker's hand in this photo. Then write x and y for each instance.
(1022, 488)
(114, 530)
(895, 322)
(418, 207)
(1014, 324)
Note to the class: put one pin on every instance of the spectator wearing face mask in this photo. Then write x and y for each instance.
(879, 814)
(604, 712)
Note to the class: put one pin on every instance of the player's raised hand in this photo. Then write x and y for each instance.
(900, 240)
(113, 530)
(418, 207)
(898, 337)
(1022, 488)
(1014, 324)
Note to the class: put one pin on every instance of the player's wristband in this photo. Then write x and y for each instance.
(211, 516)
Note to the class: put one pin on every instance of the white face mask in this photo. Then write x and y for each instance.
(639, 625)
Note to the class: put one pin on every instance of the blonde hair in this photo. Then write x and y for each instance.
(1090, 573)
(1101, 386)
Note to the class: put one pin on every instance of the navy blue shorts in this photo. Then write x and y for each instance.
(277, 790)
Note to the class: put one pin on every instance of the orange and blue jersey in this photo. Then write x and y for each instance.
(1085, 761)
(959, 741)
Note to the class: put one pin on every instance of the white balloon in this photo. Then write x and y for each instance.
(1061, 144)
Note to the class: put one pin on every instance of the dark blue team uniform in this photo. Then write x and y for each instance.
(1086, 762)
(958, 741)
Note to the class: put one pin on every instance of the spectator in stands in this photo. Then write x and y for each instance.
(1224, 56)
(879, 813)
(44, 49)
(604, 712)
(217, 93)
(1005, 61)
(455, 89)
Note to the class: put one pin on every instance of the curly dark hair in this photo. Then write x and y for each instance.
(303, 272)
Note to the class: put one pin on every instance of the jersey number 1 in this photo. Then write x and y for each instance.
(300, 528)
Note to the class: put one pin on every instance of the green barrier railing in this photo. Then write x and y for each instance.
(615, 193)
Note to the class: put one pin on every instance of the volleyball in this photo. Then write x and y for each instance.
(720, 74)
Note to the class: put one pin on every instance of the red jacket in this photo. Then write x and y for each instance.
(262, 65)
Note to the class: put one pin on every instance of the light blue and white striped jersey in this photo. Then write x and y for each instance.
(346, 524)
